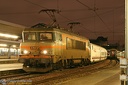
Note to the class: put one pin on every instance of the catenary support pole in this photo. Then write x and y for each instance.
(126, 36)
(124, 59)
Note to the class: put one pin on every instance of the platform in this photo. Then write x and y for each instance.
(13, 66)
(104, 77)
(10, 64)
(8, 61)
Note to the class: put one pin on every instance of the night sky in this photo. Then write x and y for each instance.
(96, 17)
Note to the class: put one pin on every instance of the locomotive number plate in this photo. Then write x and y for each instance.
(34, 47)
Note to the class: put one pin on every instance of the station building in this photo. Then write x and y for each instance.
(10, 38)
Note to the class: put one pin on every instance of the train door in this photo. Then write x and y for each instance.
(59, 46)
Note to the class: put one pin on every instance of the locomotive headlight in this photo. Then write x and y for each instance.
(48, 52)
(25, 52)
(45, 52)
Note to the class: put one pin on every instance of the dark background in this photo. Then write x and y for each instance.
(97, 17)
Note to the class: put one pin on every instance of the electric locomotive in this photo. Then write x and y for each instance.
(46, 48)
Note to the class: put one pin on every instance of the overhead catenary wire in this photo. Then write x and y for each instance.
(66, 17)
(82, 18)
(35, 4)
(69, 20)
(81, 25)
(50, 12)
(57, 4)
(18, 13)
(94, 10)
(72, 10)
(83, 9)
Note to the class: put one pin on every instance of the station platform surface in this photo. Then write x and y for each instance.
(8, 59)
(10, 64)
(103, 77)
(13, 66)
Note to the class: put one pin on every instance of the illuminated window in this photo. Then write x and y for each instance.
(29, 36)
(75, 44)
(45, 36)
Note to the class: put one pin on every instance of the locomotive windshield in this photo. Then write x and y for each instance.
(38, 36)
(45, 36)
(29, 36)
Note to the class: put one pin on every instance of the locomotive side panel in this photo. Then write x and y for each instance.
(76, 49)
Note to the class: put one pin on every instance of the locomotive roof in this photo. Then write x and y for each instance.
(54, 29)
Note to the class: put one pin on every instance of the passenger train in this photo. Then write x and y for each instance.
(115, 54)
(47, 48)
(112, 53)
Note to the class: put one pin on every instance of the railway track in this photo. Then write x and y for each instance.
(78, 72)
(56, 77)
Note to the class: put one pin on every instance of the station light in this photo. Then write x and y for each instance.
(14, 46)
(4, 45)
(8, 36)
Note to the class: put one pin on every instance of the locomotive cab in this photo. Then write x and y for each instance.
(38, 49)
